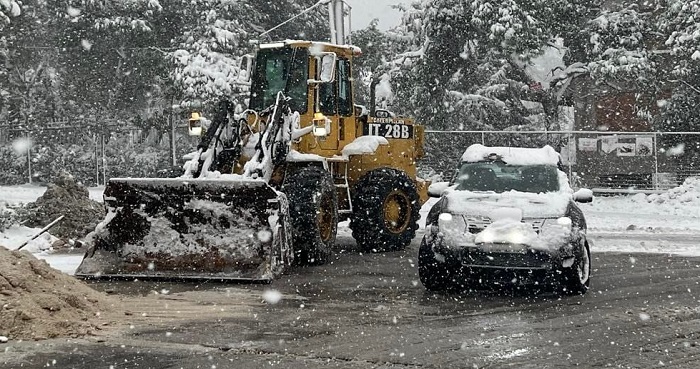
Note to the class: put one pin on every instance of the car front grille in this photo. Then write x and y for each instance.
(477, 224)
(530, 259)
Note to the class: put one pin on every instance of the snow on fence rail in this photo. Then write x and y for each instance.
(606, 161)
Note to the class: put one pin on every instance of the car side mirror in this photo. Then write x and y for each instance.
(436, 189)
(583, 195)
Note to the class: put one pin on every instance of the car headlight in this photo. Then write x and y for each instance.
(451, 224)
(556, 231)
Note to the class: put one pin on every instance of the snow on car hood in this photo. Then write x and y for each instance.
(455, 232)
(490, 204)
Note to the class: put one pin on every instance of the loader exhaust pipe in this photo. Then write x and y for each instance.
(373, 96)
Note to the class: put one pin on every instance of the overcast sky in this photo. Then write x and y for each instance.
(363, 11)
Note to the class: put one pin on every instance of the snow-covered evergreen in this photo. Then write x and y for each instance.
(462, 68)
(8, 9)
(618, 46)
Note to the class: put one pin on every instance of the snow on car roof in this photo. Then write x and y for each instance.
(512, 155)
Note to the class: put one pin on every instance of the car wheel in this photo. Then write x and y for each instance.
(435, 275)
(575, 280)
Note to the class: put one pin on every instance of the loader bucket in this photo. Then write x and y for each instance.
(178, 228)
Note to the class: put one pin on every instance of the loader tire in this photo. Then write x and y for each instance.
(313, 209)
(385, 211)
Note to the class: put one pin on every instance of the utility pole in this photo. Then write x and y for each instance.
(173, 132)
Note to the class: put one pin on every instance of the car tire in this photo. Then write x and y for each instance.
(386, 209)
(576, 279)
(313, 210)
(434, 275)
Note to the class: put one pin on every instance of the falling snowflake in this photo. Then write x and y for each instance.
(22, 145)
(87, 45)
(264, 236)
(73, 12)
(272, 296)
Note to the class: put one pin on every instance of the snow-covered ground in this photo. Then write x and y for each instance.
(668, 223)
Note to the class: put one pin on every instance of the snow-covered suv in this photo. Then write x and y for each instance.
(508, 215)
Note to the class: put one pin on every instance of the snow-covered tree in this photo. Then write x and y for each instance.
(681, 112)
(8, 9)
(376, 47)
(464, 67)
(679, 23)
(613, 44)
(208, 59)
(619, 45)
(28, 77)
(216, 34)
(116, 50)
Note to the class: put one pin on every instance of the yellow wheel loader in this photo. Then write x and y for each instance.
(268, 188)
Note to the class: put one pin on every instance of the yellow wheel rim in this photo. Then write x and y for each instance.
(397, 211)
(324, 219)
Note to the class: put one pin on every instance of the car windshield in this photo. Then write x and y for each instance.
(500, 177)
(280, 70)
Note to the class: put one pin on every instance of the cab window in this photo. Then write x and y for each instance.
(344, 88)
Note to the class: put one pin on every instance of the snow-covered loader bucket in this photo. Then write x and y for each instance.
(190, 229)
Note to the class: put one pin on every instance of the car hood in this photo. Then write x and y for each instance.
(486, 204)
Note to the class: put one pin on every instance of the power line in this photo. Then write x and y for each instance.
(152, 48)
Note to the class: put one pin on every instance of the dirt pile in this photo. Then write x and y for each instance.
(66, 197)
(38, 302)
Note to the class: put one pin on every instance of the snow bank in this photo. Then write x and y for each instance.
(513, 155)
(16, 235)
(677, 209)
(684, 196)
(19, 195)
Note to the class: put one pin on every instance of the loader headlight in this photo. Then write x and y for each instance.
(322, 126)
(195, 125)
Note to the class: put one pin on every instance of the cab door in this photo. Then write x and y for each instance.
(346, 108)
(335, 102)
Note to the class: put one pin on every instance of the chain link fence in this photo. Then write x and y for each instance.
(91, 151)
(607, 162)
(613, 162)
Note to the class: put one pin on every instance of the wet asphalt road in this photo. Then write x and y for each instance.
(370, 311)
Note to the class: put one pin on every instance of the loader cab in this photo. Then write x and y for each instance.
(280, 69)
(317, 78)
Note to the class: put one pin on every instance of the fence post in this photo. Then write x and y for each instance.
(29, 156)
(656, 162)
(97, 161)
(571, 154)
(104, 159)
(173, 132)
